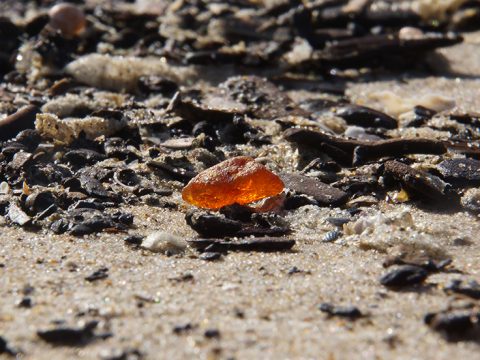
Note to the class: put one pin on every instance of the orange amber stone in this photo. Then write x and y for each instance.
(238, 180)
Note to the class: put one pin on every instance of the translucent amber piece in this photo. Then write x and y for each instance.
(238, 180)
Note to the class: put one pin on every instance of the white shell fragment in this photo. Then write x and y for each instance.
(164, 242)
(122, 73)
(66, 130)
(5, 188)
(17, 215)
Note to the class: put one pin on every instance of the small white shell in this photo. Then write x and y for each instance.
(164, 242)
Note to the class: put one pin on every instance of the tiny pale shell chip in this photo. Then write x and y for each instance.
(5, 188)
(164, 242)
(409, 33)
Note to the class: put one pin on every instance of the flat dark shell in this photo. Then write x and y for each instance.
(324, 194)
(405, 275)
(265, 244)
(460, 170)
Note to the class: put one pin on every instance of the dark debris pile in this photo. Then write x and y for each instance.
(178, 89)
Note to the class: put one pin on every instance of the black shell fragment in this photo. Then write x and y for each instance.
(461, 170)
(64, 336)
(265, 244)
(405, 275)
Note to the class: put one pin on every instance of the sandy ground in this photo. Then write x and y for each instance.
(261, 311)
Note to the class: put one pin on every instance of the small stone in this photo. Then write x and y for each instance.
(67, 18)
(183, 328)
(98, 275)
(238, 180)
(351, 312)
(164, 242)
(212, 333)
(25, 302)
(134, 240)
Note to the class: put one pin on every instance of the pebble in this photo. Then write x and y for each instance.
(164, 242)
(350, 312)
(183, 328)
(25, 302)
(210, 256)
(67, 18)
(134, 240)
(212, 333)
